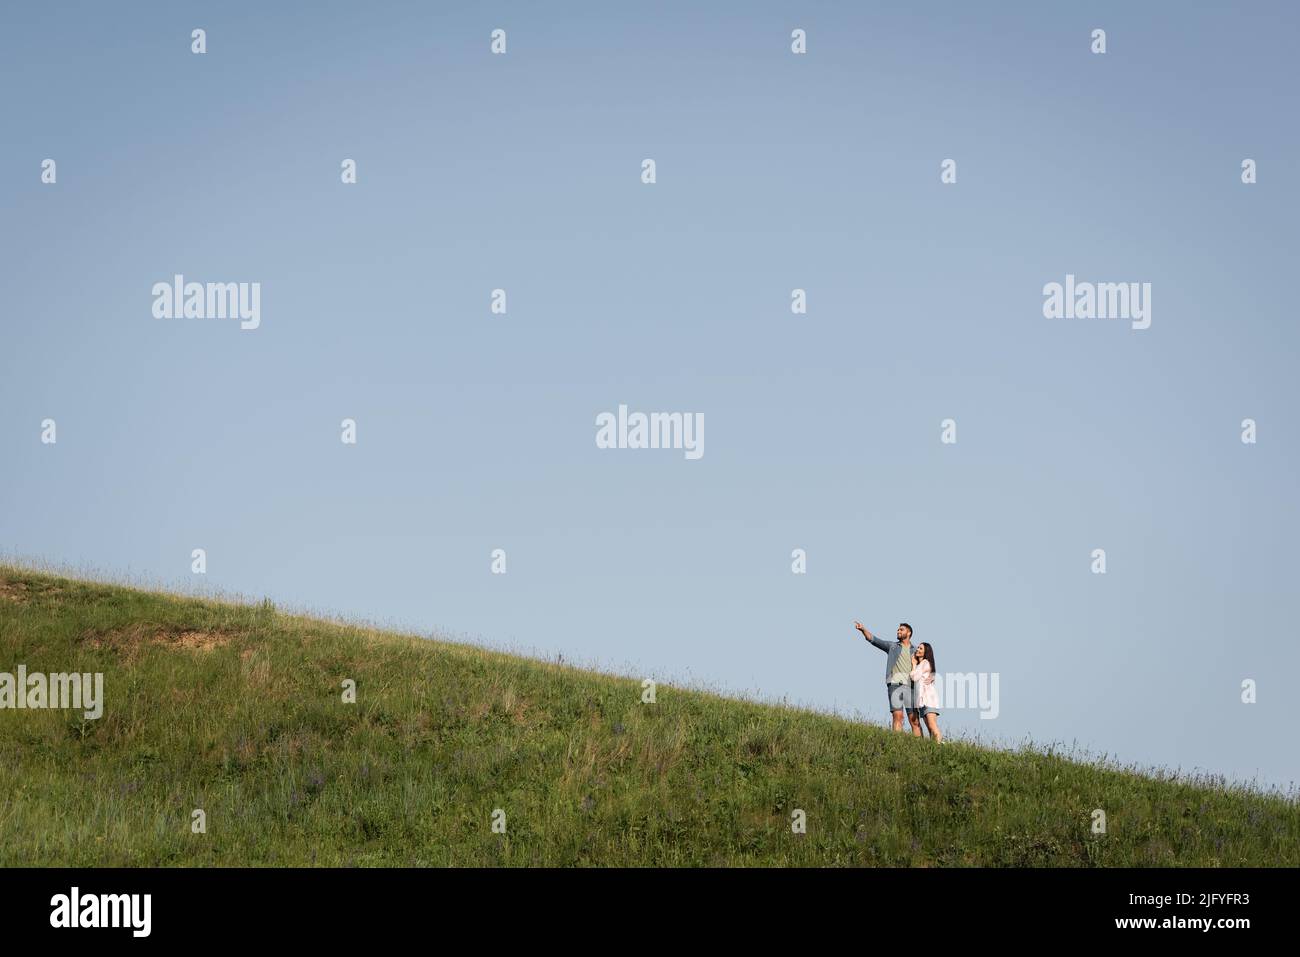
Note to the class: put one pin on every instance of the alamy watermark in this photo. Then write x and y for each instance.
(1101, 300)
(62, 690)
(75, 909)
(655, 430)
(968, 690)
(179, 299)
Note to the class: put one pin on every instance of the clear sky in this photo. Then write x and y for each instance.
(775, 171)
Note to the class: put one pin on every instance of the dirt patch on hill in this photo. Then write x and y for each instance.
(36, 592)
(131, 641)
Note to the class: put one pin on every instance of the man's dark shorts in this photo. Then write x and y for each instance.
(900, 697)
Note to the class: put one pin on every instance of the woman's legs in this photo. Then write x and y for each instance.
(932, 722)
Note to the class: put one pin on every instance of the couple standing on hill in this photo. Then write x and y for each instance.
(909, 680)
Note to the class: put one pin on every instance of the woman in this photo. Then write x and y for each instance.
(925, 696)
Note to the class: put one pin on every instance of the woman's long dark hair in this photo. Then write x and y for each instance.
(929, 656)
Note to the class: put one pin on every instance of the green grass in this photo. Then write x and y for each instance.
(253, 730)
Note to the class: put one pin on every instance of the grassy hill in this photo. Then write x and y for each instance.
(237, 710)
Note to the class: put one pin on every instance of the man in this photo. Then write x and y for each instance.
(898, 675)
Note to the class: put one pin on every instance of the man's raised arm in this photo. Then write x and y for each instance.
(882, 645)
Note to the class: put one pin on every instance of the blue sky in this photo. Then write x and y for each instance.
(775, 172)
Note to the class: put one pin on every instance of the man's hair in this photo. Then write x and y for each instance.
(903, 624)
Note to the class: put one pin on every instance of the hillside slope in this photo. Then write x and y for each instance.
(238, 711)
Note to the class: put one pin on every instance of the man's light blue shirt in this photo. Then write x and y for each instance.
(893, 649)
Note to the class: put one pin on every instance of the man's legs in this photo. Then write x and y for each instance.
(898, 702)
(915, 719)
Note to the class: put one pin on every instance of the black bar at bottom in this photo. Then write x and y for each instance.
(300, 906)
